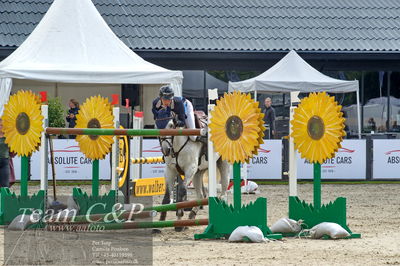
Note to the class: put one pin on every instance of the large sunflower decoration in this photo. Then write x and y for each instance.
(318, 127)
(237, 127)
(95, 112)
(22, 123)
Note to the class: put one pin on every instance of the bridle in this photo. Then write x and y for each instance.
(170, 143)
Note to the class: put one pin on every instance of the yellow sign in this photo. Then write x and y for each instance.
(149, 186)
(123, 160)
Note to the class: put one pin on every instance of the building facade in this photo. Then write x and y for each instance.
(234, 40)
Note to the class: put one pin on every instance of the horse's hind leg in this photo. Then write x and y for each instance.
(224, 169)
(181, 195)
(198, 186)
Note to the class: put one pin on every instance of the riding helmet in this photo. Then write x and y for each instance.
(166, 92)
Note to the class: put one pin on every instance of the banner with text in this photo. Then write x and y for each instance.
(386, 163)
(70, 163)
(349, 163)
(151, 148)
(268, 163)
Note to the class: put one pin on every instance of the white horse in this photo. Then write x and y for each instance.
(184, 156)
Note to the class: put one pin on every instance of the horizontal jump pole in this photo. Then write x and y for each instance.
(126, 132)
(125, 225)
(100, 217)
(178, 205)
(146, 160)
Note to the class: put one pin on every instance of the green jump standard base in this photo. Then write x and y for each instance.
(12, 205)
(313, 214)
(95, 203)
(224, 219)
(334, 212)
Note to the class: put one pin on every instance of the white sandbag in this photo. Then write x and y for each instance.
(332, 230)
(49, 201)
(286, 225)
(252, 232)
(71, 204)
(250, 187)
(21, 222)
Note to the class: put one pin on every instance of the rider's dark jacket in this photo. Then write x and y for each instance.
(176, 106)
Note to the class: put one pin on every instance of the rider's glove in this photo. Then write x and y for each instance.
(180, 123)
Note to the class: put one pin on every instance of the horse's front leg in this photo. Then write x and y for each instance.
(198, 186)
(169, 179)
(182, 190)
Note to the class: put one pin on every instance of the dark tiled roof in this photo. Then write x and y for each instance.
(258, 25)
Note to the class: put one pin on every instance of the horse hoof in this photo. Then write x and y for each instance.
(156, 231)
(180, 229)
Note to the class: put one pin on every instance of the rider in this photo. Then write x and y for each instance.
(182, 107)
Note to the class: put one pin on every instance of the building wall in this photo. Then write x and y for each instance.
(149, 93)
(35, 86)
(67, 91)
(80, 92)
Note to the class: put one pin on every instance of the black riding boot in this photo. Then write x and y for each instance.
(204, 140)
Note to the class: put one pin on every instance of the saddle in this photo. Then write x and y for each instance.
(200, 119)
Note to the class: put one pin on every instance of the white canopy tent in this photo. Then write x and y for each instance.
(293, 74)
(73, 44)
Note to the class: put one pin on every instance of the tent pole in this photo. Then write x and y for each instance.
(212, 170)
(115, 153)
(294, 100)
(358, 114)
(44, 152)
(255, 95)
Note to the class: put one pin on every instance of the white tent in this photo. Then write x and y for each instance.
(292, 74)
(73, 44)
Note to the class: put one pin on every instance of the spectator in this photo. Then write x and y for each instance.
(269, 119)
(372, 124)
(346, 127)
(4, 159)
(72, 112)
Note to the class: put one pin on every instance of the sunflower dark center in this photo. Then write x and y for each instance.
(23, 123)
(316, 127)
(93, 123)
(234, 127)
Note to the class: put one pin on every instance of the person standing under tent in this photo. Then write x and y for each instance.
(72, 112)
(269, 119)
(4, 159)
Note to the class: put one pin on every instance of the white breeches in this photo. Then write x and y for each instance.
(190, 117)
